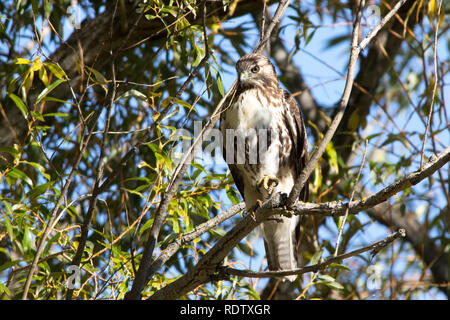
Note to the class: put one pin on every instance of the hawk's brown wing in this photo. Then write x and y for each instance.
(299, 155)
(300, 140)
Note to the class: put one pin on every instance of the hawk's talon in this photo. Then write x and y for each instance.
(252, 210)
(268, 183)
(259, 204)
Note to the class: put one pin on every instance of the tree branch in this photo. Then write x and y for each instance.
(275, 20)
(185, 238)
(224, 273)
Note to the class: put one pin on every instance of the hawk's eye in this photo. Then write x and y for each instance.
(255, 69)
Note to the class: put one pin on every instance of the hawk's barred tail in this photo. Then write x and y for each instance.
(281, 244)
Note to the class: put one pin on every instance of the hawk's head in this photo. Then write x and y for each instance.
(255, 70)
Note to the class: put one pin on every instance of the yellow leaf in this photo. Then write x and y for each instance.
(37, 64)
(143, 164)
(215, 27)
(353, 122)
(432, 7)
(56, 70)
(22, 61)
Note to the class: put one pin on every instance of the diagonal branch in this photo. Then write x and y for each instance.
(275, 20)
(185, 238)
(224, 273)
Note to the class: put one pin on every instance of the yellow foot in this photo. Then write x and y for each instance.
(267, 184)
(288, 211)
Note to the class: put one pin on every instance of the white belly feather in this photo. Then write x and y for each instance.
(260, 116)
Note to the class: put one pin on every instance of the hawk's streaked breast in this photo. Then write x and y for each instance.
(260, 105)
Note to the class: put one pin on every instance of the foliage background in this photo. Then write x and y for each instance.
(118, 72)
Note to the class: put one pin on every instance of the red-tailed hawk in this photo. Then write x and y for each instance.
(266, 148)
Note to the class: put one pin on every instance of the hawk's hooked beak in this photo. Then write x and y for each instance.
(245, 75)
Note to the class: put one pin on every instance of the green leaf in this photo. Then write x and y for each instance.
(339, 222)
(7, 223)
(329, 281)
(20, 175)
(37, 166)
(36, 115)
(332, 158)
(27, 241)
(220, 84)
(4, 289)
(8, 265)
(325, 277)
(12, 151)
(98, 76)
(20, 104)
(218, 232)
(146, 225)
(56, 114)
(43, 76)
(168, 239)
(184, 104)
(134, 191)
(316, 257)
(38, 190)
(231, 194)
(56, 70)
(48, 9)
(251, 292)
(35, 6)
(332, 285)
(49, 89)
(336, 40)
(245, 248)
(200, 53)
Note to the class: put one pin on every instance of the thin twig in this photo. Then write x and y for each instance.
(224, 273)
(275, 20)
(430, 112)
(263, 21)
(341, 229)
(53, 216)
